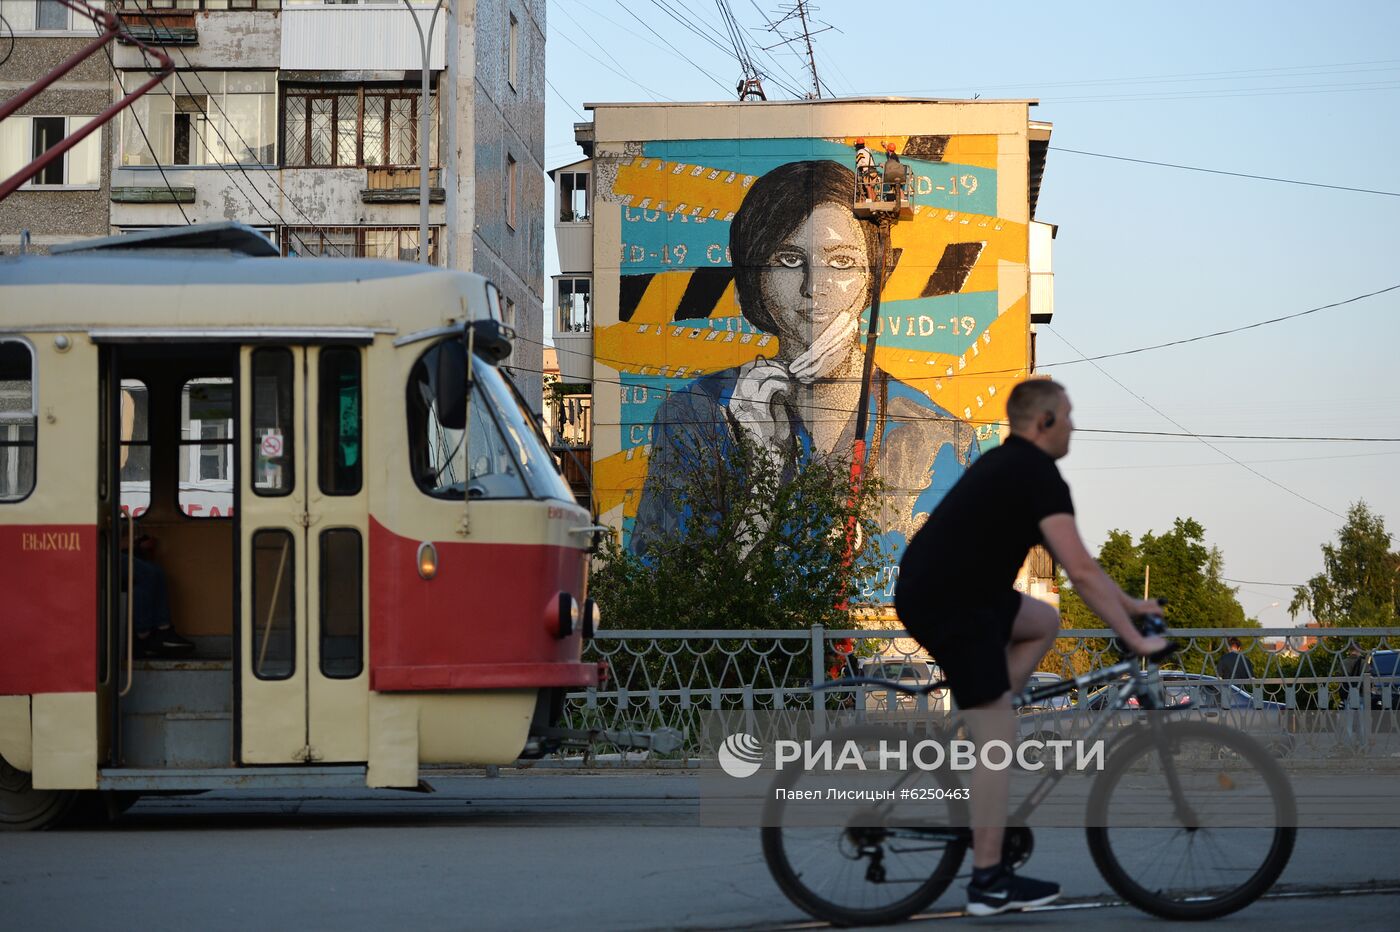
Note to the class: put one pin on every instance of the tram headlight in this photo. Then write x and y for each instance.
(592, 619)
(427, 560)
(569, 616)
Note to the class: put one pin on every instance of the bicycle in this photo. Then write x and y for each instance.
(882, 867)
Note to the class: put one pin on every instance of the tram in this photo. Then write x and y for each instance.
(355, 523)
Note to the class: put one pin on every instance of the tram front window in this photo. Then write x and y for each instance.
(444, 466)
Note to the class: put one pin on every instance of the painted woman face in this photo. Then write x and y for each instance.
(818, 274)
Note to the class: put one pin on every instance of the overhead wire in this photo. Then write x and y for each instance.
(684, 57)
(567, 38)
(116, 76)
(601, 47)
(179, 76)
(1221, 333)
(1216, 171)
(846, 413)
(1201, 437)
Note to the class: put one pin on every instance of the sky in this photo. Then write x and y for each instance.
(1144, 254)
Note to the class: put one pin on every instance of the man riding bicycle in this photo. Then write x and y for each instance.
(955, 596)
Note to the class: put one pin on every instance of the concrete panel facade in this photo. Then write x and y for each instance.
(57, 216)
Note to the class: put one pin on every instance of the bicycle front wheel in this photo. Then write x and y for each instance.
(1191, 820)
(885, 862)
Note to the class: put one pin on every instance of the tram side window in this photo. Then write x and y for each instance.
(274, 605)
(17, 421)
(442, 464)
(135, 455)
(206, 448)
(342, 615)
(339, 421)
(274, 456)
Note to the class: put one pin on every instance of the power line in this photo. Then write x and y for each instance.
(693, 63)
(654, 94)
(1255, 582)
(1202, 437)
(600, 46)
(179, 76)
(116, 76)
(1293, 459)
(576, 110)
(1221, 333)
(1181, 77)
(1216, 171)
(846, 412)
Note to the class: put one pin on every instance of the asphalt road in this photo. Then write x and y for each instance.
(539, 849)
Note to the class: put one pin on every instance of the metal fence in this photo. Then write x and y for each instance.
(669, 678)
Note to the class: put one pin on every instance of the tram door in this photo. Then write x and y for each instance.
(303, 685)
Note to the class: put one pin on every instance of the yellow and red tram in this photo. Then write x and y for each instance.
(355, 520)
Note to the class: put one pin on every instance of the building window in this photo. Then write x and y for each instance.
(18, 420)
(347, 126)
(572, 192)
(573, 300)
(358, 242)
(204, 118)
(513, 52)
(23, 16)
(511, 172)
(24, 138)
(206, 448)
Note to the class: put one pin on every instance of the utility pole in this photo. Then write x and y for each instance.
(425, 42)
(811, 56)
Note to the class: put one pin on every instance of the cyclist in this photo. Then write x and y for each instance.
(955, 596)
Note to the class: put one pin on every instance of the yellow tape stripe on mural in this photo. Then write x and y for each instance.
(922, 239)
(617, 480)
(681, 187)
(955, 382)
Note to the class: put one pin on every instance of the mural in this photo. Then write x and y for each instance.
(744, 292)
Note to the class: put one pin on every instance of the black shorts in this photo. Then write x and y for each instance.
(968, 642)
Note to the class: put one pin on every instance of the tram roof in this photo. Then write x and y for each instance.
(212, 278)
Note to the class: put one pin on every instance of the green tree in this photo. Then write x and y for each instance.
(1359, 586)
(1182, 569)
(763, 546)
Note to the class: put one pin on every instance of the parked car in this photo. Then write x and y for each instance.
(1205, 696)
(1041, 679)
(908, 672)
(1383, 667)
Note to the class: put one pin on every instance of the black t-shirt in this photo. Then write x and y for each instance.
(978, 536)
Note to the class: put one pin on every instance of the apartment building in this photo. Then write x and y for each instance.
(69, 199)
(674, 234)
(302, 119)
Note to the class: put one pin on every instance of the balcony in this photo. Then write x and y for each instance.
(573, 225)
(350, 37)
(400, 186)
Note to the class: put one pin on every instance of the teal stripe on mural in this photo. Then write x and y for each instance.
(653, 241)
(945, 185)
(945, 324)
(642, 396)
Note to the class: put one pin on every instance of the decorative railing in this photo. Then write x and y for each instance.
(670, 678)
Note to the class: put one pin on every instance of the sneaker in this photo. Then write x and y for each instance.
(163, 642)
(1007, 892)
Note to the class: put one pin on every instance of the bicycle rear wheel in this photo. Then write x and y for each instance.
(886, 862)
(1209, 850)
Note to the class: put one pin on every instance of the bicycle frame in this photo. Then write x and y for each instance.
(1142, 684)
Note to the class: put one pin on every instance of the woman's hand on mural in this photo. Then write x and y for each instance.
(828, 350)
(757, 400)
